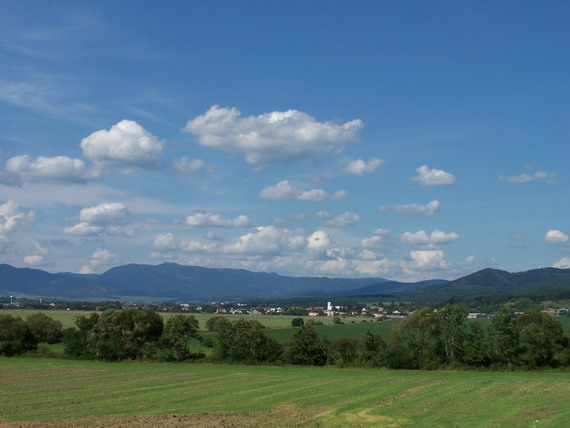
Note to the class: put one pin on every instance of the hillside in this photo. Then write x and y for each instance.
(170, 281)
(493, 281)
(38, 282)
(390, 287)
(174, 281)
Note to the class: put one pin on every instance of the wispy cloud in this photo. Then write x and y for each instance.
(415, 209)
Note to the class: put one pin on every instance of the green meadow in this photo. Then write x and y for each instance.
(36, 392)
(335, 332)
(270, 321)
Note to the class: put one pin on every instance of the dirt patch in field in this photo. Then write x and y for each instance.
(388, 401)
(534, 414)
(280, 417)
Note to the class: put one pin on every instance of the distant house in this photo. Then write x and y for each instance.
(561, 311)
(313, 314)
(475, 315)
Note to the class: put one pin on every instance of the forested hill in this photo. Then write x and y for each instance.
(170, 281)
(492, 281)
(174, 281)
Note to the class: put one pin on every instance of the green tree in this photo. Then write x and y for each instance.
(213, 321)
(414, 342)
(371, 350)
(244, 341)
(344, 352)
(175, 336)
(541, 337)
(307, 348)
(15, 336)
(452, 321)
(44, 328)
(77, 339)
(475, 345)
(127, 334)
(503, 340)
(297, 322)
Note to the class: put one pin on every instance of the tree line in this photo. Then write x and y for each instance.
(426, 339)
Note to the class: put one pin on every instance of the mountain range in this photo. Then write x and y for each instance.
(170, 281)
(173, 281)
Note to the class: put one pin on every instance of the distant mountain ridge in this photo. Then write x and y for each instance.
(173, 281)
(492, 281)
(391, 287)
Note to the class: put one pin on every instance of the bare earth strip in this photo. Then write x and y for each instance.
(286, 416)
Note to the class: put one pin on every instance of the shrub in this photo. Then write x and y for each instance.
(297, 322)
(15, 336)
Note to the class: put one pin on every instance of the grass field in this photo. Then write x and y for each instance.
(269, 321)
(335, 332)
(40, 392)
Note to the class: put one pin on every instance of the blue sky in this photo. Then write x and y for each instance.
(406, 140)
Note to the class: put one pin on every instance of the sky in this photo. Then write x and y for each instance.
(406, 140)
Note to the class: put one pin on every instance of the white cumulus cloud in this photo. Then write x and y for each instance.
(428, 259)
(273, 137)
(360, 167)
(58, 168)
(433, 177)
(554, 237)
(108, 217)
(164, 241)
(319, 241)
(37, 256)
(372, 242)
(12, 218)
(215, 220)
(109, 213)
(563, 263)
(415, 209)
(83, 229)
(266, 240)
(100, 257)
(284, 191)
(126, 144)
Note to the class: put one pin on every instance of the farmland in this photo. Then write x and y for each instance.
(278, 326)
(76, 393)
(270, 321)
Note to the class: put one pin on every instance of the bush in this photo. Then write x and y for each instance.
(44, 328)
(213, 321)
(15, 336)
(244, 342)
(344, 352)
(76, 339)
(307, 348)
(297, 322)
(175, 335)
(127, 334)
